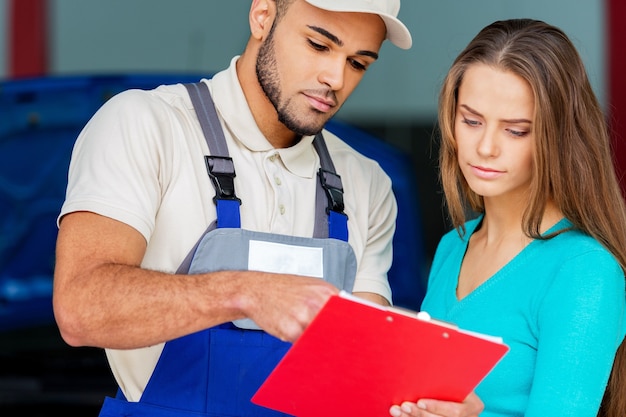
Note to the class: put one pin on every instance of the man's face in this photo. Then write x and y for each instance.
(312, 60)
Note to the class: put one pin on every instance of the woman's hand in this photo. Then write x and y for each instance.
(472, 406)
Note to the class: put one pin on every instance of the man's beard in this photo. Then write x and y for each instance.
(269, 79)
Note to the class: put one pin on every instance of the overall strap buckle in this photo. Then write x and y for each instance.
(331, 183)
(221, 170)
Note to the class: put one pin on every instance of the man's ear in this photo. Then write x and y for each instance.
(262, 14)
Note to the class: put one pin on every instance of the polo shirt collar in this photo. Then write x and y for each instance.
(231, 105)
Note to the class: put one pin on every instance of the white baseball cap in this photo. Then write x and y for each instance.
(388, 10)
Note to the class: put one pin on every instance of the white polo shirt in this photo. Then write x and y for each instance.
(140, 160)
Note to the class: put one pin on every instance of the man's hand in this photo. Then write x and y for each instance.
(472, 406)
(284, 305)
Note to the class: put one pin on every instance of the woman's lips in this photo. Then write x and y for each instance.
(485, 172)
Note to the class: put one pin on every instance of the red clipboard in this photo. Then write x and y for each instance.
(358, 359)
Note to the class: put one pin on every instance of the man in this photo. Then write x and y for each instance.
(177, 310)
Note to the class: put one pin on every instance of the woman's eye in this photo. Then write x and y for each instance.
(517, 133)
(470, 122)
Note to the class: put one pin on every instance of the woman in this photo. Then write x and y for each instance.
(538, 251)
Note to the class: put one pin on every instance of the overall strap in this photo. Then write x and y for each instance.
(330, 220)
(219, 165)
(330, 182)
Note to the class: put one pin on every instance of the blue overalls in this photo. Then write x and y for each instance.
(216, 371)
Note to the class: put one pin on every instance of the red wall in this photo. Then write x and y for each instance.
(27, 38)
(616, 16)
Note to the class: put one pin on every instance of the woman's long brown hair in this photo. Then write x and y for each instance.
(573, 160)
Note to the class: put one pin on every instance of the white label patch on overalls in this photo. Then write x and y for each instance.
(239, 249)
(286, 259)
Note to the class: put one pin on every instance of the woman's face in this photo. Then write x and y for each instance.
(493, 132)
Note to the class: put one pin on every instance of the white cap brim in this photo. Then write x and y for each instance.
(397, 32)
